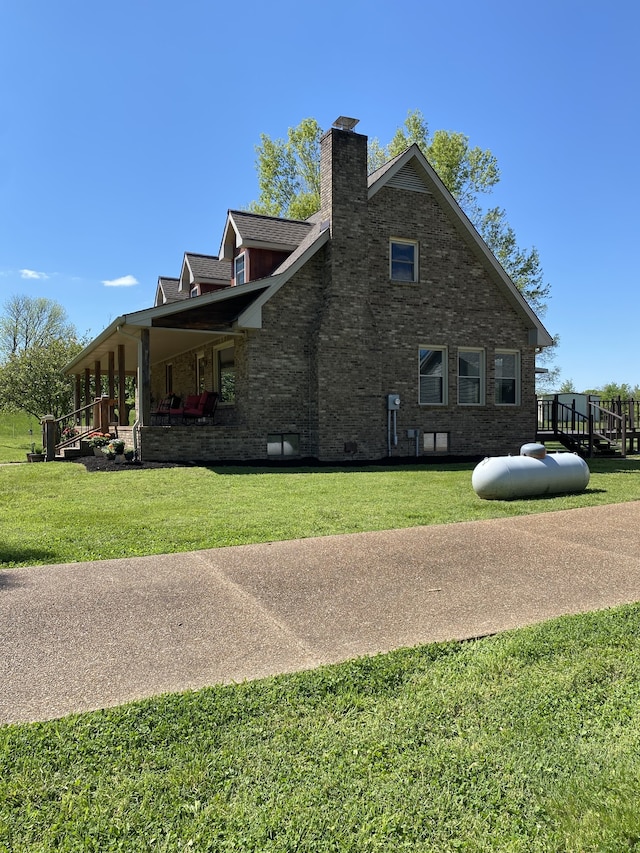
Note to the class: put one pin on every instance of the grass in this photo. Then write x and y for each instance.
(528, 741)
(59, 512)
(18, 432)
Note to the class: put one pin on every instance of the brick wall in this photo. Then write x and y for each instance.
(340, 335)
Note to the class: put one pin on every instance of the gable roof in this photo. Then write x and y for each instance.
(412, 171)
(208, 268)
(253, 230)
(203, 269)
(168, 290)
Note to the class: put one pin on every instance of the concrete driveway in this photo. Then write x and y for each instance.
(82, 636)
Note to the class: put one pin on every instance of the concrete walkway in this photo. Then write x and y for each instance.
(82, 636)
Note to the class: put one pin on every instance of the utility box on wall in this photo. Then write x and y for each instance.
(393, 402)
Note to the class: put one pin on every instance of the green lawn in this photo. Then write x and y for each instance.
(528, 741)
(59, 512)
(17, 433)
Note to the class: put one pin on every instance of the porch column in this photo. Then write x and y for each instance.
(144, 378)
(87, 396)
(123, 418)
(111, 382)
(98, 376)
(77, 396)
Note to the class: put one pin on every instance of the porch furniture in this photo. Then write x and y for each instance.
(200, 407)
(162, 414)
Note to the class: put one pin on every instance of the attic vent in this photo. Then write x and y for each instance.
(408, 179)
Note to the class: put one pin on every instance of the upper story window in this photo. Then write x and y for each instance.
(507, 365)
(195, 291)
(403, 257)
(432, 368)
(470, 377)
(239, 273)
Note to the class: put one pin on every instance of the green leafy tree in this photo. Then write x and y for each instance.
(36, 342)
(28, 321)
(32, 380)
(289, 172)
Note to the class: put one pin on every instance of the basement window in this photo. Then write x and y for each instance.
(435, 442)
(283, 444)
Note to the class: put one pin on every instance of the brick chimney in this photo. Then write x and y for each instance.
(346, 342)
(343, 176)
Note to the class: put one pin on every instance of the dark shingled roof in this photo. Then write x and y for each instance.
(169, 288)
(207, 268)
(255, 228)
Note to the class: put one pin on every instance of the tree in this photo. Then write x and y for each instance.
(36, 342)
(289, 172)
(289, 181)
(32, 381)
(27, 321)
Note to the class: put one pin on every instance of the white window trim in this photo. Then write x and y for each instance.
(445, 373)
(216, 372)
(482, 377)
(242, 255)
(517, 377)
(416, 260)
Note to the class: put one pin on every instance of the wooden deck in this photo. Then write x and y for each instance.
(591, 426)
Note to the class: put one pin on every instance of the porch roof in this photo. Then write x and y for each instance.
(174, 328)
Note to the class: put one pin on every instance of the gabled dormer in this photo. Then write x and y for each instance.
(167, 291)
(202, 274)
(256, 245)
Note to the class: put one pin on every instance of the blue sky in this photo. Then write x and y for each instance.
(128, 129)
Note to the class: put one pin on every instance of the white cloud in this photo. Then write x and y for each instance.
(123, 281)
(33, 274)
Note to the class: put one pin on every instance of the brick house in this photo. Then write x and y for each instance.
(380, 327)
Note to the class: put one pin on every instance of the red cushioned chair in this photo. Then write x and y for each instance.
(203, 406)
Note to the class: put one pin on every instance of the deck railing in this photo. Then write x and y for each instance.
(605, 423)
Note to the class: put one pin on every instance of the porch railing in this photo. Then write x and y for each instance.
(70, 429)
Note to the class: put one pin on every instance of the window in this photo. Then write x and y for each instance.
(470, 377)
(283, 444)
(403, 257)
(432, 375)
(238, 269)
(226, 373)
(200, 373)
(168, 375)
(435, 442)
(195, 291)
(507, 378)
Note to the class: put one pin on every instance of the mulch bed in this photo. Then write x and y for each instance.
(95, 463)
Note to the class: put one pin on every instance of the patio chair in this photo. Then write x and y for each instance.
(203, 406)
(163, 411)
(176, 412)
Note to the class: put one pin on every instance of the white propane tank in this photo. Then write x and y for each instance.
(530, 474)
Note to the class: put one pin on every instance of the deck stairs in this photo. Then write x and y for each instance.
(591, 427)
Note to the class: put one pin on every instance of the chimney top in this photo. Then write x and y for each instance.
(345, 123)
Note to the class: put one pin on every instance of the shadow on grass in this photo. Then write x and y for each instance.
(312, 466)
(10, 557)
